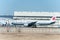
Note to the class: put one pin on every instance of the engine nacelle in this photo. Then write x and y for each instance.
(26, 25)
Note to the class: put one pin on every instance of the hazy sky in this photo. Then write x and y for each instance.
(7, 7)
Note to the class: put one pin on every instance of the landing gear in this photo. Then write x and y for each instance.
(34, 26)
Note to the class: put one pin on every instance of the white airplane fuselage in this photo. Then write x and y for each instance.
(26, 22)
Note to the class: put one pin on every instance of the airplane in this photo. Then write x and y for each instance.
(4, 21)
(33, 23)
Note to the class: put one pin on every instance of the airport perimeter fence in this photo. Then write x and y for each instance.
(49, 30)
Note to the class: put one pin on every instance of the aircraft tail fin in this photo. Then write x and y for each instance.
(53, 19)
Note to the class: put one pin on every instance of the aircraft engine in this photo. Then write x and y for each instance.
(26, 25)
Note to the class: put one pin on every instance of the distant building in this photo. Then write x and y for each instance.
(34, 15)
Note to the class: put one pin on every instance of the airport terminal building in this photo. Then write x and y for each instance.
(36, 16)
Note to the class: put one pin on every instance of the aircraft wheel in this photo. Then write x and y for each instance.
(34, 26)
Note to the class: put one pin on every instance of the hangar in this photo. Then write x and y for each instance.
(35, 14)
(24, 15)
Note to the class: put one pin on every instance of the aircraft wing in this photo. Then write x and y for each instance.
(32, 23)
